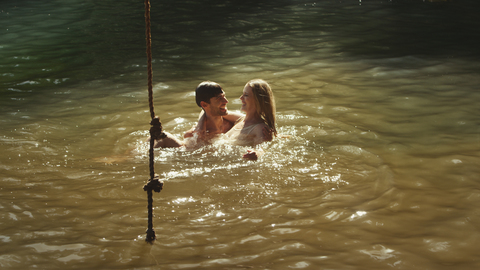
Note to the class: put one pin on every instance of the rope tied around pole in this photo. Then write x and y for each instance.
(156, 133)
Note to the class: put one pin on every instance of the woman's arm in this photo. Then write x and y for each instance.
(261, 134)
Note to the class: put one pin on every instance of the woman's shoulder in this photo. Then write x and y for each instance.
(259, 131)
(254, 128)
(261, 126)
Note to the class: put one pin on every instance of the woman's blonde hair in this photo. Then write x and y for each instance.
(265, 102)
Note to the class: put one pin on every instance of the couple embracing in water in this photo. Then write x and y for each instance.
(253, 128)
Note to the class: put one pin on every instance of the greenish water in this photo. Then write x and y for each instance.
(380, 99)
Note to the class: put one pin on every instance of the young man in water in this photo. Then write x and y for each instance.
(211, 98)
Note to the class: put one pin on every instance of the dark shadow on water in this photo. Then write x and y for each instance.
(439, 29)
(106, 39)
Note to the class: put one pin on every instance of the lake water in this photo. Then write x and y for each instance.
(380, 100)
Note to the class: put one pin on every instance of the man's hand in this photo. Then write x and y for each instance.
(250, 155)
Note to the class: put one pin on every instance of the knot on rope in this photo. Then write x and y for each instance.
(156, 131)
(154, 184)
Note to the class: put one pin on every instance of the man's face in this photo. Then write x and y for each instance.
(218, 105)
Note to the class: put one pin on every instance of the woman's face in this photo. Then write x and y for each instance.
(248, 100)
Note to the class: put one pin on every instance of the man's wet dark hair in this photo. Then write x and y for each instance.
(206, 90)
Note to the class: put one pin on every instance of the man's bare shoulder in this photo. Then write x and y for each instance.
(227, 125)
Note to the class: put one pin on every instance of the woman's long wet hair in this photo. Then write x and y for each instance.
(265, 102)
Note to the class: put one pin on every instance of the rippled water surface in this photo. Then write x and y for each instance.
(378, 168)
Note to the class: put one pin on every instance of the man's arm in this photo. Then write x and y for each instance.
(233, 116)
(168, 142)
(199, 127)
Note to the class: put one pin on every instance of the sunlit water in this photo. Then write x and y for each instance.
(379, 171)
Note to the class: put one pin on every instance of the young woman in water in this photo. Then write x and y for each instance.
(257, 126)
(258, 103)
